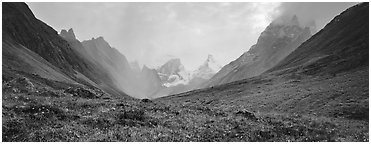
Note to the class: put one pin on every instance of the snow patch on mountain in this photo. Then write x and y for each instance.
(173, 72)
(207, 69)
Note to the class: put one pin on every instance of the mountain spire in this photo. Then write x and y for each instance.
(70, 35)
(294, 20)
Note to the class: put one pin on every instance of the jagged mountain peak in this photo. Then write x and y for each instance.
(173, 73)
(172, 66)
(286, 20)
(210, 59)
(99, 41)
(207, 69)
(70, 31)
(279, 39)
(285, 28)
(293, 20)
(340, 46)
(100, 38)
(68, 34)
(211, 64)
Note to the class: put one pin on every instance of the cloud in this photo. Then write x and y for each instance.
(320, 12)
(150, 32)
(190, 31)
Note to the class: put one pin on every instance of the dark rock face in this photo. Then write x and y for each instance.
(341, 45)
(22, 29)
(70, 35)
(21, 26)
(172, 68)
(278, 40)
(95, 58)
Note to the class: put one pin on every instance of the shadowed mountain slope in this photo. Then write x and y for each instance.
(303, 99)
(326, 77)
(23, 31)
(20, 25)
(18, 58)
(131, 80)
(279, 39)
(342, 45)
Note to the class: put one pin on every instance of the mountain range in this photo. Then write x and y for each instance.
(277, 41)
(137, 82)
(176, 79)
(292, 85)
(48, 54)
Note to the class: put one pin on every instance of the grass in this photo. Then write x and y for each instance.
(290, 108)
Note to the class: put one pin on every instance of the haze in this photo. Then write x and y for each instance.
(152, 33)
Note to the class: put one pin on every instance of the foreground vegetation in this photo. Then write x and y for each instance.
(289, 108)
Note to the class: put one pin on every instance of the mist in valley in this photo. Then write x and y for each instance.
(152, 34)
(182, 72)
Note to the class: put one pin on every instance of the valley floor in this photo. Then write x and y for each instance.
(268, 108)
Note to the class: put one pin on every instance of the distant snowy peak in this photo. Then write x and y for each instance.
(207, 69)
(173, 73)
(212, 64)
(173, 66)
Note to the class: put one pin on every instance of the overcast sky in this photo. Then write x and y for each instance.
(152, 33)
